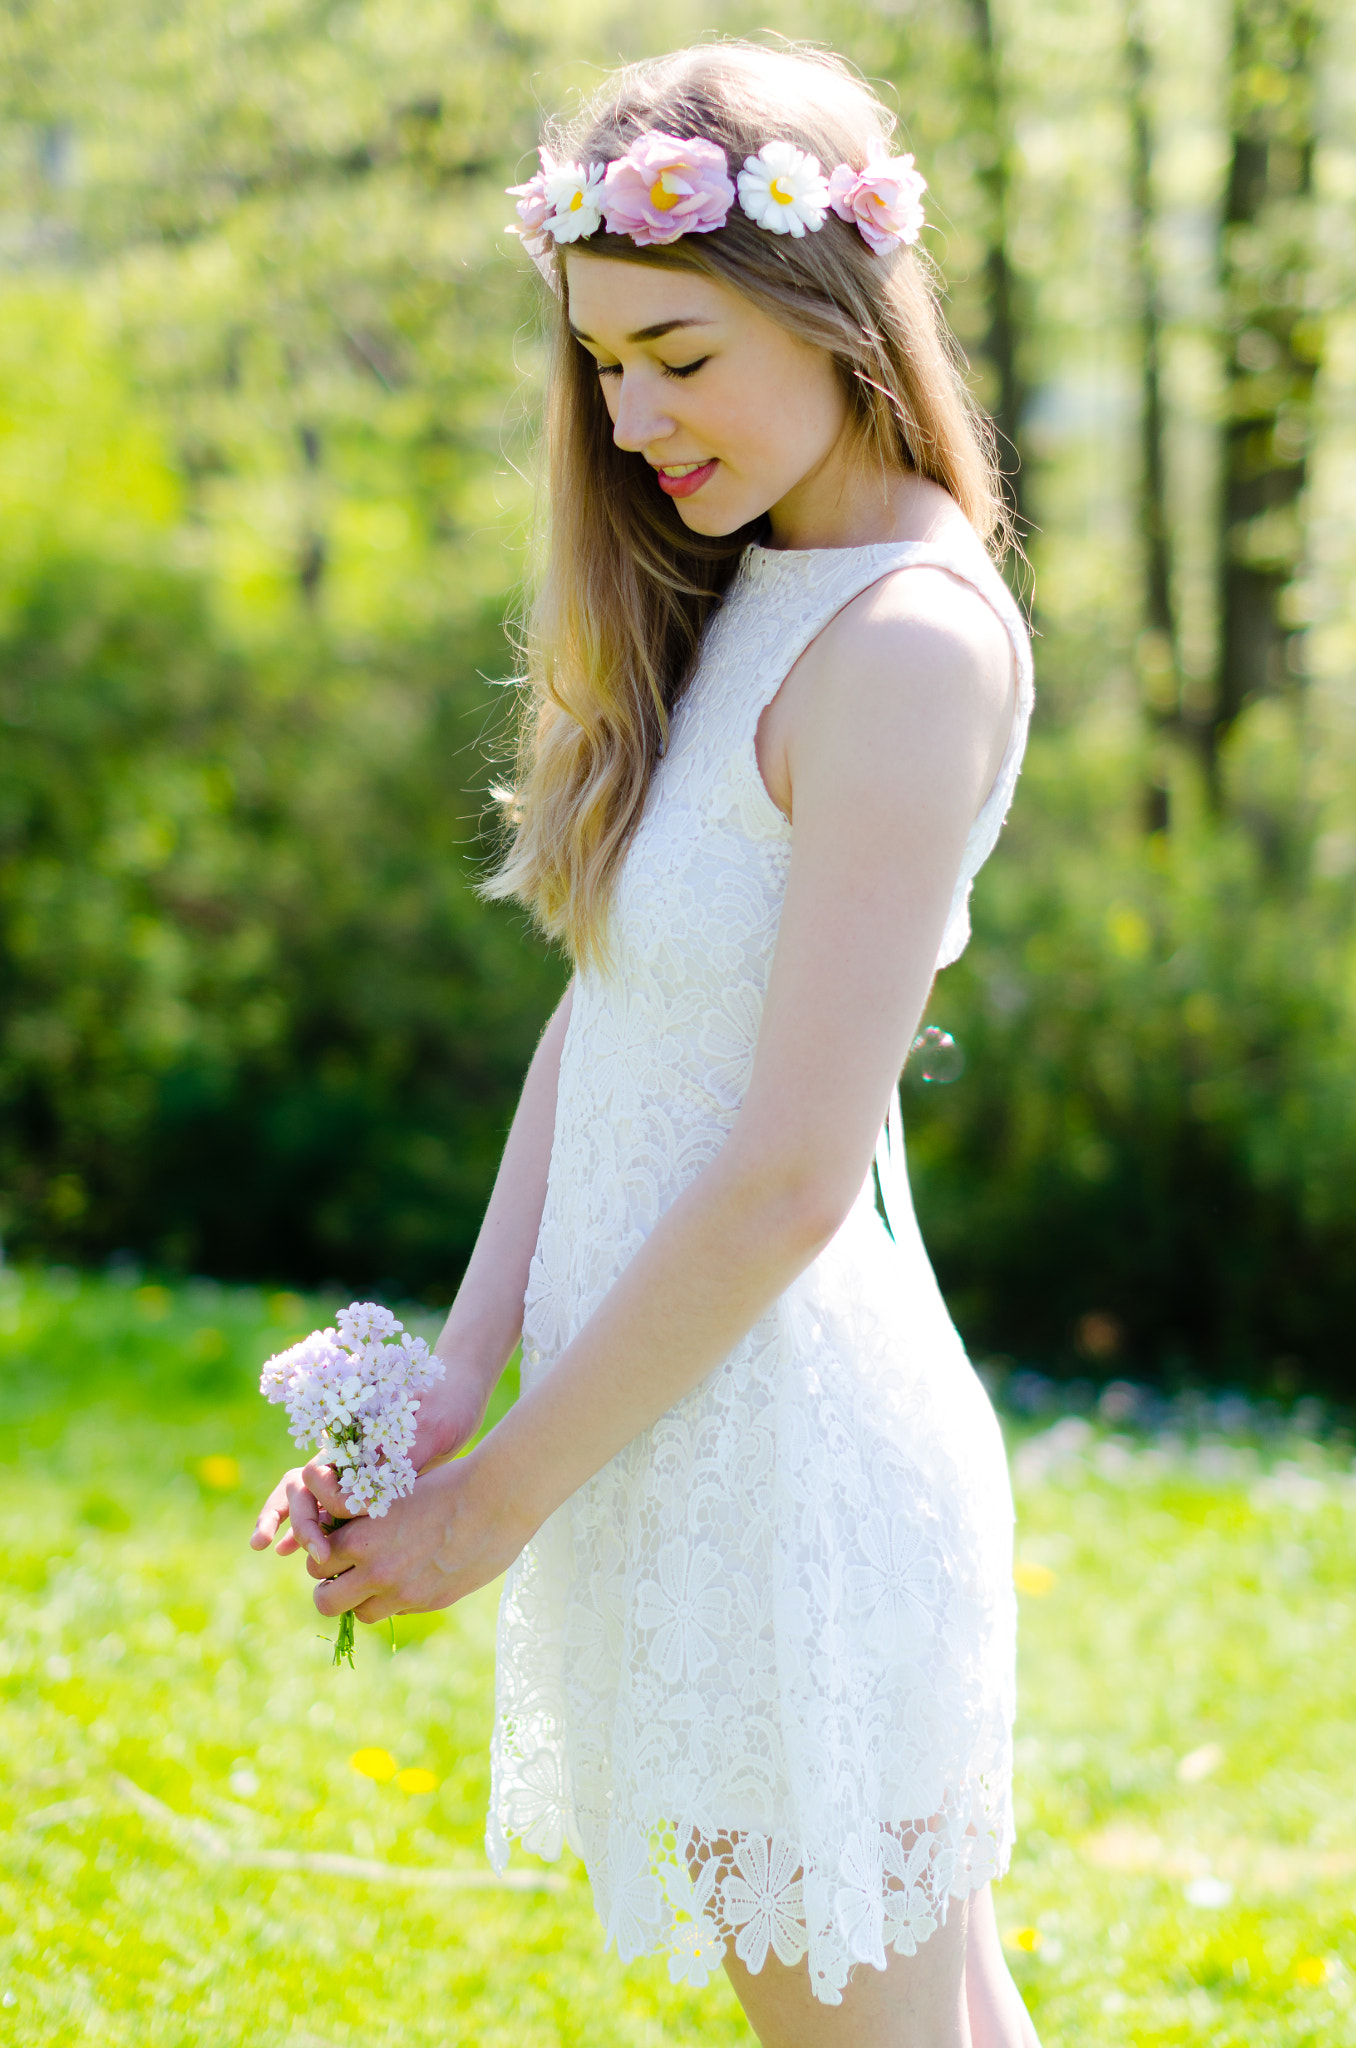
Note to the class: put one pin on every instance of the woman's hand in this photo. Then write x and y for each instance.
(453, 1534)
(480, 1332)
(308, 1497)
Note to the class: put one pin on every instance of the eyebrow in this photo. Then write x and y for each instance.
(655, 333)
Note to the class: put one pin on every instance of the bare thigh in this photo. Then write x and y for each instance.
(918, 2001)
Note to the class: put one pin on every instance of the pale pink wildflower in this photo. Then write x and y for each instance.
(349, 1394)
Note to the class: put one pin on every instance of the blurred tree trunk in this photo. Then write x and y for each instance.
(1002, 335)
(1159, 653)
(1273, 350)
(312, 551)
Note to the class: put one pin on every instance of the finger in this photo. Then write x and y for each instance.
(306, 1524)
(378, 1607)
(323, 1484)
(337, 1595)
(345, 1547)
(273, 1512)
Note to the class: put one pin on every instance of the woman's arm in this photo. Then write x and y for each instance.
(902, 714)
(485, 1320)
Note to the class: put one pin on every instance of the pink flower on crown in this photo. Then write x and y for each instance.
(665, 187)
(885, 200)
(535, 207)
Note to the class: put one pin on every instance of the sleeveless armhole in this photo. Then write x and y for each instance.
(845, 574)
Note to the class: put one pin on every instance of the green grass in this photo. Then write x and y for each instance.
(168, 1714)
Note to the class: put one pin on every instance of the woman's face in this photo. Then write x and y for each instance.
(735, 414)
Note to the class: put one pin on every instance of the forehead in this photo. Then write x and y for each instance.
(611, 298)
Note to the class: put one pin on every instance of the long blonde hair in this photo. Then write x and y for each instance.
(627, 588)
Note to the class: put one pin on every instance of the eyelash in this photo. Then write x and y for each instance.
(670, 369)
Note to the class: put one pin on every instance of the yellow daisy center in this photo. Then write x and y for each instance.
(577, 202)
(662, 194)
(779, 192)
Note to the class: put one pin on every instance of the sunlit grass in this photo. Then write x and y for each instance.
(173, 1731)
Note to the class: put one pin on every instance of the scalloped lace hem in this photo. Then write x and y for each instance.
(683, 1892)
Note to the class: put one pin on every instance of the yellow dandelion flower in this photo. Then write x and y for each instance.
(415, 1780)
(1033, 1578)
(1028, 1939)
(1311, 1970)
(375, 1763)
(220, 1473)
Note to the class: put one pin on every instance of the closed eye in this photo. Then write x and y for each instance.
(669, 369)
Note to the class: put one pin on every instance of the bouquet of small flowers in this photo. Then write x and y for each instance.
(349, 1393)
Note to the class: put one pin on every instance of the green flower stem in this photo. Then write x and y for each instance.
(345, 1439)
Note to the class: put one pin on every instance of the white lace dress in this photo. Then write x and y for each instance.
(758, 1672)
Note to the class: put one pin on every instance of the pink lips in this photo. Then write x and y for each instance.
(684, 486)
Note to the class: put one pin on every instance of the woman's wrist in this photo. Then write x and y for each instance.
(453, 1408)
(501, 1486)
(475, 1350)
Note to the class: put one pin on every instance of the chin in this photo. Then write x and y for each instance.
(714, 520)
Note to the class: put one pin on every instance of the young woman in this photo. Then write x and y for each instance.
(756, 1637)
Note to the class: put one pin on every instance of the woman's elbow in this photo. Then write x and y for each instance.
(802, 1202)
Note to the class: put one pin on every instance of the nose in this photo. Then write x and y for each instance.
(639, 419)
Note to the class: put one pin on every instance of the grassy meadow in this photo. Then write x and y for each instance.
(211, 1837)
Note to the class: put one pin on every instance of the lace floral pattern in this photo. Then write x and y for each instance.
(758, 1672)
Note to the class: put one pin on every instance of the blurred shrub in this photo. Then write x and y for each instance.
(1148, 1163)
(254, 1020)
(255, 1023)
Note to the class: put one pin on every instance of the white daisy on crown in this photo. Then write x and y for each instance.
(667, 186)
(784, 190)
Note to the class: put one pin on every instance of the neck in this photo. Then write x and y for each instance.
(850, 502)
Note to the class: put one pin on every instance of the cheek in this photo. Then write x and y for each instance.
(787, 413)
(783, 430)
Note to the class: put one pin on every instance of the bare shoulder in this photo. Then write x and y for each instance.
(919, 666)
(926, 634)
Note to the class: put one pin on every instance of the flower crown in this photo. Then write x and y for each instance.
(667, 186)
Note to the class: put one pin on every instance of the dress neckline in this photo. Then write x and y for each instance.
(865, 547)
(763, 567)
(760, 561)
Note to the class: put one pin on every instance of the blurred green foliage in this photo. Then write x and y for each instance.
(255, 1020)
(1150, 1153)
(267, 362)
(254, 1016)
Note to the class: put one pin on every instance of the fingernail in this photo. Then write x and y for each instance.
(318, 1552)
